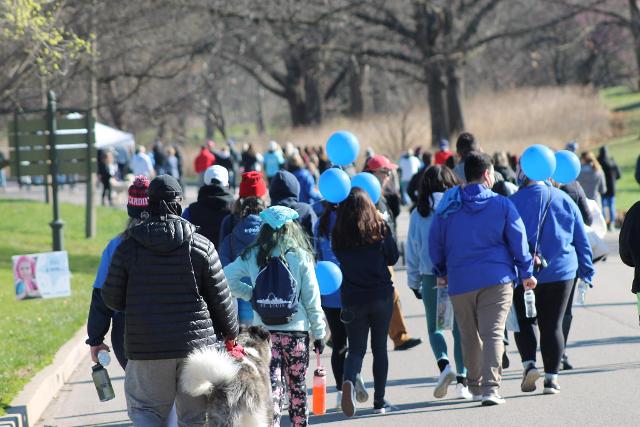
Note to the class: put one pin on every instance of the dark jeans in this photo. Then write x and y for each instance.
(339, 340)
(374, 316)
(551, 303)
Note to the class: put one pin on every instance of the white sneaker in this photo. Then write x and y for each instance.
(492, 399)
(476, 397)
(462, 392)
(447, 376)
(361, 391)
(339, 401)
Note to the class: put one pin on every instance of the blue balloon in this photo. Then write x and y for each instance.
(329, 277)
(368, 183)
(538, 162)
(343, 148)
(567, 167)
(334, 185)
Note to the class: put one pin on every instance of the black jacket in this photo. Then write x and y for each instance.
(365, 271)
(284, 190)
(168, 281)
(214, 203)
(629, 242)
(575, 191)
(611, 173)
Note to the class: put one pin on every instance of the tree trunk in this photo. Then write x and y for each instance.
(209, 124)
(356, 80)
(634, 10)
(311, 65)
(437, 104)
(454, 106)
(259, 112)
(297, 107)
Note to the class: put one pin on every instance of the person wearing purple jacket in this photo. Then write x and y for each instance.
(478, 246)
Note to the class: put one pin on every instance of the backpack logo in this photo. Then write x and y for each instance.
(274, 295)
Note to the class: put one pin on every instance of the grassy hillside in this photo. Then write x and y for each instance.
(32, 331)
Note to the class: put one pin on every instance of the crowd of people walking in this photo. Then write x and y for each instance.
(483, 237)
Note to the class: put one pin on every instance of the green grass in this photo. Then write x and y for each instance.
(625, 149)
(32, 331)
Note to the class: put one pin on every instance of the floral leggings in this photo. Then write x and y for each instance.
(289, 362)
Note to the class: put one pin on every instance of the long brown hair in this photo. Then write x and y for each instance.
(358, 222)
(436, 179)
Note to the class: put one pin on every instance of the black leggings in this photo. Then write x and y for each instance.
(568, 314)
(339, 343)
(551, 303)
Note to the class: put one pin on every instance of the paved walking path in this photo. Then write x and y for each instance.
(603, 390)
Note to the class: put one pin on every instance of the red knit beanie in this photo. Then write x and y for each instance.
(252, 184)
(138, 201)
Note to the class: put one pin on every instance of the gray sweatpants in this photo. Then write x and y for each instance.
(481, 316)
(152, 386)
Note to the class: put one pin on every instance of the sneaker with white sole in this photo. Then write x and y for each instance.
(551, 387)
(339, 400)
(529, 378)
(348, 399)
(361, 391)
(476, 397)
(492, 399)
(447, 376)
(381, 408)
(462, 392)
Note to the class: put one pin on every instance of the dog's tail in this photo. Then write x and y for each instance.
(206, 369)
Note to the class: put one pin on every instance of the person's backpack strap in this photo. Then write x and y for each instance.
(541, 222)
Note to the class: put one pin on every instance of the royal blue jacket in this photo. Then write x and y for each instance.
(243, 234)
(324, 252)
(563, 241)
(477, 240)
(308, 192)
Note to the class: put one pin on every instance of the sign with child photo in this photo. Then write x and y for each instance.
(44, 275)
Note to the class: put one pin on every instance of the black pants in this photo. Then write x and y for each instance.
(339, 340)
(374, 316)
(568, 314)
(551, 303)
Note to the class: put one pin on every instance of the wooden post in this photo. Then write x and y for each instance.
(57, 224)
(90, 214)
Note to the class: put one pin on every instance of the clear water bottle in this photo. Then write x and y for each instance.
(102, 382)
(104, 358)
(581, 295)
(530, 303)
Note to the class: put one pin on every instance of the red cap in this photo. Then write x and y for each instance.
(252, 184)
(379, 162)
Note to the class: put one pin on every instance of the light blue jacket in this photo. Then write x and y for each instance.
(309, 317)
(418, 258)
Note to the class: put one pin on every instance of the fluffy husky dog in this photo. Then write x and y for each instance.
(238, 391)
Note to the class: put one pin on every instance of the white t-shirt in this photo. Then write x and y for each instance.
(409, 166)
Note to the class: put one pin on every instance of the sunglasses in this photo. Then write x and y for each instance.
(385, 172)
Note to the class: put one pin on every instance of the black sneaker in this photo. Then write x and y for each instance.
(551, 387)
(410, 343)
(348, 399)
(566, 365)
(529, 378)
(382, 407)
(505, 360)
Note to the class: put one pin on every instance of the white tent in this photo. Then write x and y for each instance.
(108, 137)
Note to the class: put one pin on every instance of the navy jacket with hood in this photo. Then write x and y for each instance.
(284, 190)
(214, 203)
(478, 239)
(243, 234)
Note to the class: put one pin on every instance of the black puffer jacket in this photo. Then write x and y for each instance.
(214, 203)
(629, 243)
(169, 282)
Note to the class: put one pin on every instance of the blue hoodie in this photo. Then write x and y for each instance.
(418, 259)
(564, 242)
(324, 252)
(284, 190)
(480, 243)
(242, 235)
(308, 192)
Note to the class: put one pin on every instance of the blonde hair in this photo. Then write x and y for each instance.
(590, 159)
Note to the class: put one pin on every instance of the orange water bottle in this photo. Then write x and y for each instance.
(319, 389)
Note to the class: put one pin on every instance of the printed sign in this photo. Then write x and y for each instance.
(44, 275)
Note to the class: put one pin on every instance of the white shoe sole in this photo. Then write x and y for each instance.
(361, 392)
(441, 389)
(529, 382)
(550, 390)
(492, 402)
(348, 405)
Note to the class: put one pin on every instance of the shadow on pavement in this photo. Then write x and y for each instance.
(606, 341)
(92, 414)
